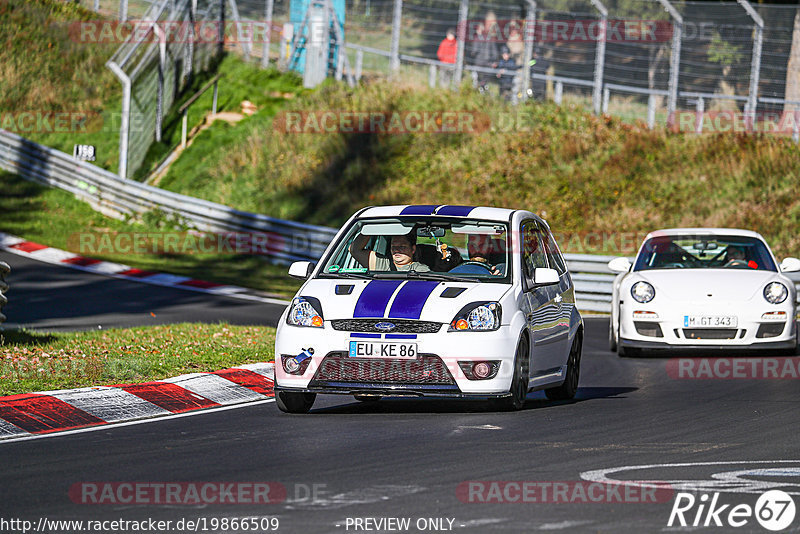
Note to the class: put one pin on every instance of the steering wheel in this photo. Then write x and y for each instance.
(458, 269)
(736, 262)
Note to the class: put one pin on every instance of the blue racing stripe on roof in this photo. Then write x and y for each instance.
(455, 211)
(373, 300)
(419, 210)
(411, 298)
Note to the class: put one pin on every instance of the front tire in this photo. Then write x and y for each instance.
(294, 402)
(567, 390)
(612, 335)
(519, 382)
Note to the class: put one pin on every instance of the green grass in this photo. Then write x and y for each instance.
(31, 361)
(590, 175)
(56, 218)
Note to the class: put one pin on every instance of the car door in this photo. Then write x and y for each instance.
(543, 316)
(564, 296)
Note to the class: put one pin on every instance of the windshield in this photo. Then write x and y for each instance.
(704, 252)
(418, 247)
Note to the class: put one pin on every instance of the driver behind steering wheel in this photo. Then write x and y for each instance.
(479, 248)
(735, 256)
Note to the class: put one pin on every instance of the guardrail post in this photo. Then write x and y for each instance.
(4, 270)
(755, 64)
(606, 98)
(359, 64)
(96, 6)
(600, 56)
(397, 19)
(461, 36)
(123, 10)
(432, 76)
(214, 103)
(674, 60)
(699, 110)
(184, 127)
(559, 93)
(529, 35)
(339, 65)
(268, 37)
(125, 118)
(651, 111)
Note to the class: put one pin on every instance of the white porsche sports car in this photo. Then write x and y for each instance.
(703, 288)
(447, 301)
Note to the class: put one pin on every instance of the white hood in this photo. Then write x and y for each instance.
(691, 285)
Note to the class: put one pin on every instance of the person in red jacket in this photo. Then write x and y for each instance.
(448, 49)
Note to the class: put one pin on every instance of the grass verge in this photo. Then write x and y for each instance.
(32, 361)
(53, 217)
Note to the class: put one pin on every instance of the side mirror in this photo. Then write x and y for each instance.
(543, 276)
(619, 265)
(301, 269)
(790, 265)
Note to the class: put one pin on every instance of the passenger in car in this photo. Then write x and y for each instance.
(402, 249)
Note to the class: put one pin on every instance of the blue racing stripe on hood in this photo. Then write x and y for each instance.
(411, 298)
(373, 300)
(455, 211)
(418, 210)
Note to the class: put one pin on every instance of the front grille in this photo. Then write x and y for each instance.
(646, 328)
(428, 369)
(709, 333)
(401, 326)
(770, 330)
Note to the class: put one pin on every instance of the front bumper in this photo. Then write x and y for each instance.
(435, 371)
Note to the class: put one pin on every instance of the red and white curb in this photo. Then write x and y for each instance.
(46, 412)
(17, 245)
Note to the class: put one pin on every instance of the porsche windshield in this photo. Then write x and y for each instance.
(416, 247)
(704, 252)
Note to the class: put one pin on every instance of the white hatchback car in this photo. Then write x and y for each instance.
(447, 301)
(703, 288)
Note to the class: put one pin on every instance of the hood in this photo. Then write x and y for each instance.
(707, 284)
(398, 299)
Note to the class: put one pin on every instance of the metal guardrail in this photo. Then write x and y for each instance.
(4, 270)
(291, 241)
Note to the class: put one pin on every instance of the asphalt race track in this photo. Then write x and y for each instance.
(48, 297)
(349, 466)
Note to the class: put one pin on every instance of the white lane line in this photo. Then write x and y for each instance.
(131, 423)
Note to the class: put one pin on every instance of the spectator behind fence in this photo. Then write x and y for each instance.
(516, 45)
(483, 53)
(508, 70)
(447, 52)
(539, 65)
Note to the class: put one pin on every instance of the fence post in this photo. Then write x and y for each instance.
(461, 36)
(214, 102)
(755, 65)
(268, 37)
(606, 98)
(529, 36)
(432, 76)
(397, 19)
(699, 110)
(184, 127)
(162, 60)
(124, 125)
(96, 6)
(559, 92)
(123, 10)
(600, 56)
(651, 111)
(359, 63)
(674, 60)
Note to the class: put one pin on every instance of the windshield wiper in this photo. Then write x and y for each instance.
(359, 276)
(426, 275)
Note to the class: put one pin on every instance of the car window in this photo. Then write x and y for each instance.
(704, 252)
(533, 250)
(554, 257)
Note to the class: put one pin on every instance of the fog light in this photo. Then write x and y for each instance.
(481, 370)
(774, 316)
(291, 365)
(638, 314)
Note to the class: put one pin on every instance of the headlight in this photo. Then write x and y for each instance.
(305, 311)
(775, 292)
(478, 316)
(643, 292)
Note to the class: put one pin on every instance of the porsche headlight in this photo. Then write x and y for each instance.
(478, 316)
(305, 311)
(775, 292)
(643, 292)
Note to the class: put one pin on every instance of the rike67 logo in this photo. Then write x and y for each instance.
(774, 510)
